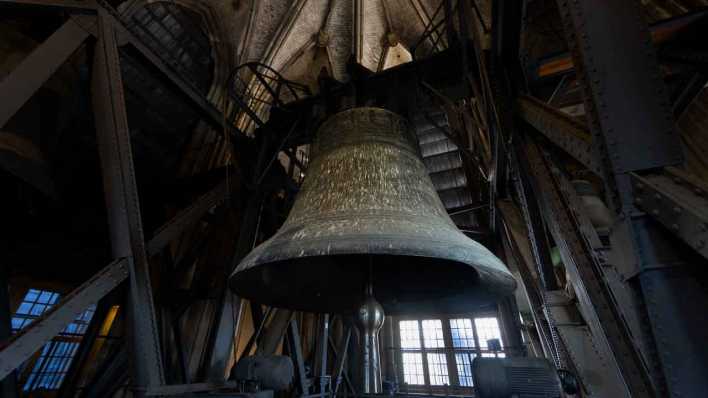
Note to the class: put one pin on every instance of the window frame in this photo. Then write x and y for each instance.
(47, 368)
(449, 350)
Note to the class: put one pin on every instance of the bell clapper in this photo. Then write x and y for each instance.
(369, 320)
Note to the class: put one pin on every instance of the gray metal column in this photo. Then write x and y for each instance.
(228, 324)
(121, 195)
(8, 385)
(632, 125)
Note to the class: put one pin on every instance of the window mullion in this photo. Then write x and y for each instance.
(399, 350)
(424, 355)
(449, 351)
(477, 346)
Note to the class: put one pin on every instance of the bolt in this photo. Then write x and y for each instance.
(655, 212)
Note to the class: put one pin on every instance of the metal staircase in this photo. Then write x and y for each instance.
(444, 162)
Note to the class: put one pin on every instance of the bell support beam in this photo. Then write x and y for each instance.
(600, 378)
(608, 328)
(8, 384)
(30, 339)
(295, 350)
(340, 360)
(561, 129)
(187, 217)
(41, 64)
(123, 206)
(517, 245)
(273, 334)
(631, 121)
(678, 201)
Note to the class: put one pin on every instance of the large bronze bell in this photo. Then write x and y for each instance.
(368, 215)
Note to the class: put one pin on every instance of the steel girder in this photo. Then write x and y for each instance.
(573, 234)
(187, 217)
(632, 126)
(561, 129)
(125, 224)
(41, 64)
(114, 143)
(678, 201)
(518, 244)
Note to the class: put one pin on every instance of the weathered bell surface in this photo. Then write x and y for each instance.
(368, 210)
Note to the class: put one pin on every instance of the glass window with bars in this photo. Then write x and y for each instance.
(428, 345)
(54, 359)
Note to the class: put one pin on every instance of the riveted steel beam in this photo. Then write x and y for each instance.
(608, 328)
(561, 129)
(678, 201)
(519, 246)
(30, 339)
(631, 120)
(19, 86)
(123, 205)
(187, 217)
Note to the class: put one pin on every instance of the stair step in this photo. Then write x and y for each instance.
(443, 162)
(448, 179)
(455, 197)
(437, 147)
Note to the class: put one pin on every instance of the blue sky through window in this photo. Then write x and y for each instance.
(54, 360)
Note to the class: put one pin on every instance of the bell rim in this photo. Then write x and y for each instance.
(496, 283)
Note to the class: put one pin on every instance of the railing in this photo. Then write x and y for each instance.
(254, 89)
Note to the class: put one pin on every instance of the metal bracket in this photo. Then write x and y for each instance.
(676, 200)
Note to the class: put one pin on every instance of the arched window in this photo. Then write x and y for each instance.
(176, 34)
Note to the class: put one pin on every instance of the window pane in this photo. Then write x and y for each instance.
(491, 355)
(50, 368)
(487, 329)
(410, 334)
(32, 295)
(464, 368)
(437, 365)
(413, 368)
(37, 310)
(462, 334)
(433, 334)
(24, 308)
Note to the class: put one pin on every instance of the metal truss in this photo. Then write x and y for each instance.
(127, 239)
(632, 125)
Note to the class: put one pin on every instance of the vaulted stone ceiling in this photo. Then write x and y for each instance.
(299, 37)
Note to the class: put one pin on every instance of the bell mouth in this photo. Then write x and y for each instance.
(403, 284)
